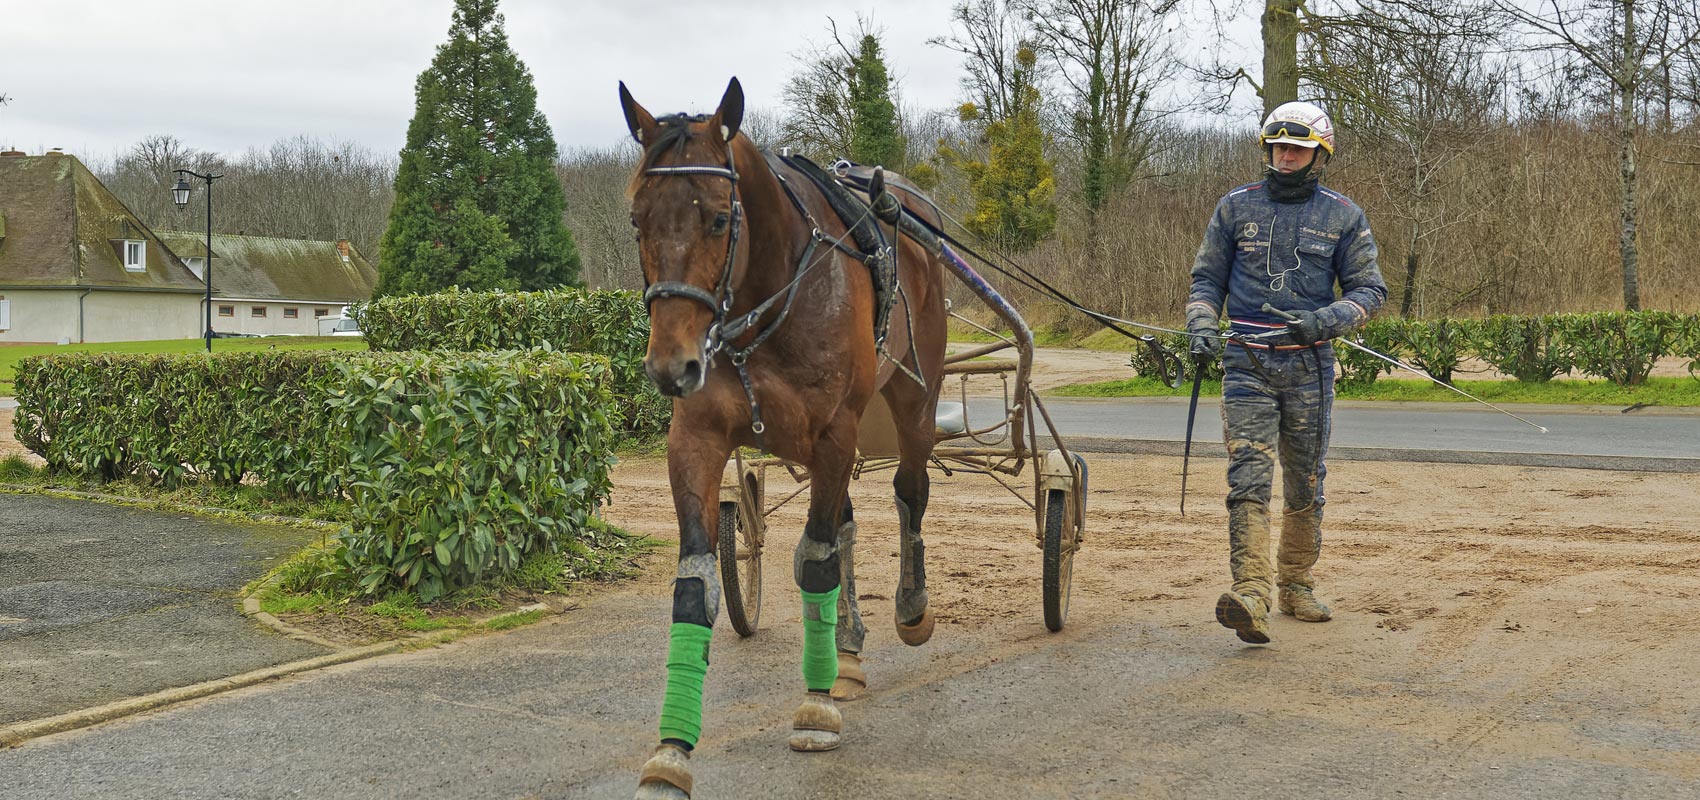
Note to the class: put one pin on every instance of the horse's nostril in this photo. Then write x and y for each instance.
(691, 375)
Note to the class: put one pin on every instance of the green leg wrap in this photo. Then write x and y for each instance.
(820, 654)
(687, 664)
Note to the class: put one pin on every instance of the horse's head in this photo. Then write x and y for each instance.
(688, 218)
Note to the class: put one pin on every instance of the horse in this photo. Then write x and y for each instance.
(762, 331)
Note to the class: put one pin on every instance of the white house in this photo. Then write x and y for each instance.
(77, 266)
(268, 286)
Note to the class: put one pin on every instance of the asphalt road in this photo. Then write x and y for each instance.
(1574, 432)
(101, 603)
(1108, 708)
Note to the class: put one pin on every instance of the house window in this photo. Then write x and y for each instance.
(136, 256)
(194, 265)
(321, 312)
(290, 313)
(257, 312)
(227, 311)
(5, 313)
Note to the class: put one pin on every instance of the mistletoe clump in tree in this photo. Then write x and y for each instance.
(477, 201)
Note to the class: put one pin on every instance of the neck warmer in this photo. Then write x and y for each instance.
(1293, 187)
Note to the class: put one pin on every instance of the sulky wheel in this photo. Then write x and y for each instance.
(740, 567)
(1064, 503)
(1059, 556)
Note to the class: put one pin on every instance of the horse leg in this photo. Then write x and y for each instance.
(852, 681)
(915, 410)
(694, 464)
(817, 723)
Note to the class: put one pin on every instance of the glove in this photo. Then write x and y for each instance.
(1305, 328)
(1204, 343)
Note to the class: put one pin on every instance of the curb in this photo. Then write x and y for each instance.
(251, 609)
(15, 735)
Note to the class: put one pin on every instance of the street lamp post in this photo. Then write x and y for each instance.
(180, 196)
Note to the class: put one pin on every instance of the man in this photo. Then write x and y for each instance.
(1285, 242)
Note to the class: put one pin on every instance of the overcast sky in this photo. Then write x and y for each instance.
(94, 76)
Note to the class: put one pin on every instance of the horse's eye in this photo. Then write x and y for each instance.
(719, 226)
(634, 220)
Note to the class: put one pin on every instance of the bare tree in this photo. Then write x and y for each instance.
(1111, 56)
(599, 214)
(989, 34)
(297, 188)
(1414, 81)
(1624, 42)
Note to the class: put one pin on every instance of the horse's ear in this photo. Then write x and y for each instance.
(731, 112)
(638, 121)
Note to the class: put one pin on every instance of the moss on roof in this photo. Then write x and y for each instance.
(65, 229)
(267, 268)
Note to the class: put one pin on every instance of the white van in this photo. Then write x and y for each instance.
(343, 325)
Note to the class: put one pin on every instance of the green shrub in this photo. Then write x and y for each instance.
(1146, 365)
(463, 465)
(454, 465)
(1360, 368)
(1527, 348)
(1688, 344)
(171, 418)
(1620, 346)
(1436, 346)
(607, 323)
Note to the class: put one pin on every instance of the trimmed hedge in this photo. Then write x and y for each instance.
(170, 418)
(1688, 344)
(454, 466)
(1621, 346)
(608, 323)
(1527, 348)
(1435, 346)
(1381, 335)
(462, 465)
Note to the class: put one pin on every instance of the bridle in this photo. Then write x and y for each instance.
(719, 298)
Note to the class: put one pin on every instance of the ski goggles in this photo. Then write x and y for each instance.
(1288, 129)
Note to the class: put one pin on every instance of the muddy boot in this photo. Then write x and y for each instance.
(1246, 608)
(1301, 543)
(1299, 601)
(1247, 615)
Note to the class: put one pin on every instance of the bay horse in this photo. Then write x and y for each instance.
(762, 331)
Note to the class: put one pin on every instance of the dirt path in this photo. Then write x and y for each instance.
(9, 445)
(1487, 618)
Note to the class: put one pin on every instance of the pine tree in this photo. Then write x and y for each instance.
(477, 201)
(875, 136)
(1015, 187)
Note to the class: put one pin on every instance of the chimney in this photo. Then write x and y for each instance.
(343, 248)
(12, 153)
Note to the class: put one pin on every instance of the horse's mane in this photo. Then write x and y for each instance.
(675, 132)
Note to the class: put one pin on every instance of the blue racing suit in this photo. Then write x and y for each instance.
(1289, 255)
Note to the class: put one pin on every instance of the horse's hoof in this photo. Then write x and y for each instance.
(918, 632)
(666, 775)
(852, 681)
(816, 725)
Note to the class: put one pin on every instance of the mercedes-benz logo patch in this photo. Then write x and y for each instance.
(1249, 231)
